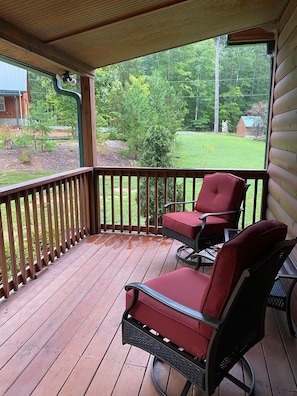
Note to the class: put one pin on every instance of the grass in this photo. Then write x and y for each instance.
(191, 150)
(8, 178)
(209, 150)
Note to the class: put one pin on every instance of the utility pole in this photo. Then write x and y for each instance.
(217, 85)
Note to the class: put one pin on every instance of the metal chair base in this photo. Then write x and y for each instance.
(248, 389)
(189, 256)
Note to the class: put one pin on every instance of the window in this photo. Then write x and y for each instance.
(2, 103)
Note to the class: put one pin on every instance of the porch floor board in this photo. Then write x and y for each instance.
(61, 334)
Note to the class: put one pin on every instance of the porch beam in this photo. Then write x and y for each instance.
(88, 122)
(22, 40)
(89, 148)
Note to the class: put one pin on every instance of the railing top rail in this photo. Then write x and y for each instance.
(19, 187)
(180, 172)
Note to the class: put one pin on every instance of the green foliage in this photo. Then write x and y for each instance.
(5, 135)
(38, 122)
(50, 146)
(167, 109)
(101, 142)
(24, 139)
(25, 156)
(157, 148)
(142, 103)
(134, 118)
(229, 109)
(51, 109)
(156, 153)
(244, 80)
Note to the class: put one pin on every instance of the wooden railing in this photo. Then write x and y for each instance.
(132, 199)
(39, 221)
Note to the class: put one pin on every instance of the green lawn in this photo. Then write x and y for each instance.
(191, 150)
(210, 150)
(8, 178)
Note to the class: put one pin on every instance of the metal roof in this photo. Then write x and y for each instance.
(12, 79)
(80, 36)
(252, 121)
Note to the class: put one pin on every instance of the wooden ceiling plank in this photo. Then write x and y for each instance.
(21, 39)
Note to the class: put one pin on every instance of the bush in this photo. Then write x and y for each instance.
(23, 140)
(25, 156)
(157, 154)
(49, 146)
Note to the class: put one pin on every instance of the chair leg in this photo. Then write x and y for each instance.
(160, 391)
(154, 360)
(186, 388)
(189, 257)
(248, 389)
(288, 309)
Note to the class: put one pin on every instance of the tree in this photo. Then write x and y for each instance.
(245, 80)
(260, 109)
(229, 108)
(134, 118)
(157, 153)
(38, 122)
(167, 109)
(217, 85)
(190, 73)
(141, 103)
(59, 110)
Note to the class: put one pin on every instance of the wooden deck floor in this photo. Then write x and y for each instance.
(61, 334)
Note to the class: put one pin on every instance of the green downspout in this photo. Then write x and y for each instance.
(58, 88)
(16, 111)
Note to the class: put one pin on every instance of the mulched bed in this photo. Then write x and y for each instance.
(65, 157)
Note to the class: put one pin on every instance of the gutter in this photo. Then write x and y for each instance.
(75, 95)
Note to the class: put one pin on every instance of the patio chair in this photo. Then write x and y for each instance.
(202, 325)
(217, 207)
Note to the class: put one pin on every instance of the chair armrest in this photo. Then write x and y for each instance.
(136, 287)
(177, 203)
(202, 217)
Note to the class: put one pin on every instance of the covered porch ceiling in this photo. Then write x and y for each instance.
(80, 36)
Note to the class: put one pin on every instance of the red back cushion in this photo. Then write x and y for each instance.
(220, 192)
(233, 258)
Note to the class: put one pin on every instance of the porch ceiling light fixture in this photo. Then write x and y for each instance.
(67, 79)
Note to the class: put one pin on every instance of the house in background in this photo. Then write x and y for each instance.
(14, 95)
(250, 126)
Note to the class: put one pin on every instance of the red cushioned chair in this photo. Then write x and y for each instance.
(203, 325)
(217, 208)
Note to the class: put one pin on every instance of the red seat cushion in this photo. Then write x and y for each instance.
(185, 286)
(188, 223)
(220, 192)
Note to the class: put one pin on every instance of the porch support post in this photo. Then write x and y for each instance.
(89, 149)
(88, 122)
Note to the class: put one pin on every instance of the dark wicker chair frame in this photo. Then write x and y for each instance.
(239, 328)
(187, 252)
(280, 298)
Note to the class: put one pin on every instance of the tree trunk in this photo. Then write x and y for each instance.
(217, 85)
